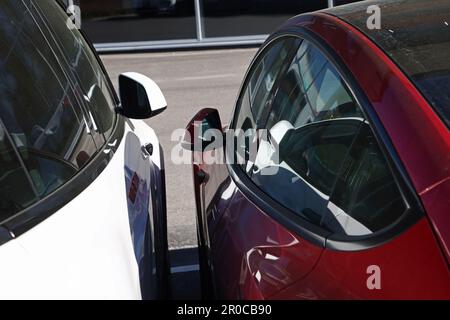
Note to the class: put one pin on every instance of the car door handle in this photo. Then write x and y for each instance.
(147, 150)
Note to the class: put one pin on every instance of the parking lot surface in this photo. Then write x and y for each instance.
(190, 80)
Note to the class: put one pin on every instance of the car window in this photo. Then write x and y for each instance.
(315, 153)
(39, 108)
(311, 91)
(318, 156)
(16, 192)
(255, 102)
(266, 73)
(91, 82)
(257, 94)
(366, 198)
(302, 177)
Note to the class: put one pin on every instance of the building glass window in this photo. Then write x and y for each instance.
(131, 24)
(231, 18)
(138, 20)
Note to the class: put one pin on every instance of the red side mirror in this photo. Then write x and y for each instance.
(202, 130)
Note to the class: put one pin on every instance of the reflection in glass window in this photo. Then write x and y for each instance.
(266, 73)
(109, 21)
(15, 189)
(316, 152)
(38, 106)
(223, 18)
(92, 85)
(309, 161)
(255, 102)
(311, 91)
(312, 120)
(366, 198)
(320, 158)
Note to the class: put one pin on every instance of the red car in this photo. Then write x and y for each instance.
(346, 194)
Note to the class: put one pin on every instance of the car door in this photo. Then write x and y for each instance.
(294, 124)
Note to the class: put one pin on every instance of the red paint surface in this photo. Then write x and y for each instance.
(411, 267)
(254, 256)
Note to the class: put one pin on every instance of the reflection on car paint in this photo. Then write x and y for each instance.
(138, 207)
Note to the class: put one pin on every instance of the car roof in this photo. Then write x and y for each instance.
(415, 34)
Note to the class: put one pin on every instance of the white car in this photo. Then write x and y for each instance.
(82, 190)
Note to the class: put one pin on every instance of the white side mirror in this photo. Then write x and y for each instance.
(140, 96)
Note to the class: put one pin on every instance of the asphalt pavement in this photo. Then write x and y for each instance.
(190, 80)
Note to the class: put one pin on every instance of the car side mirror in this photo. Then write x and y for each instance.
(204, 128)
(140, 96)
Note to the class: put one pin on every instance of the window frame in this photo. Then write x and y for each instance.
(311, 232)
(46, 206)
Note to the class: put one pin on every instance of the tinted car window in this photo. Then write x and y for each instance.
(310, 157)
(366, 198)
(15, 188)
(39, 107)
(299, 157)
(262, 80)
(319, 158)
(266, 73)
(316, 152)
(255, 102)
(91, 83)
(311, 91)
